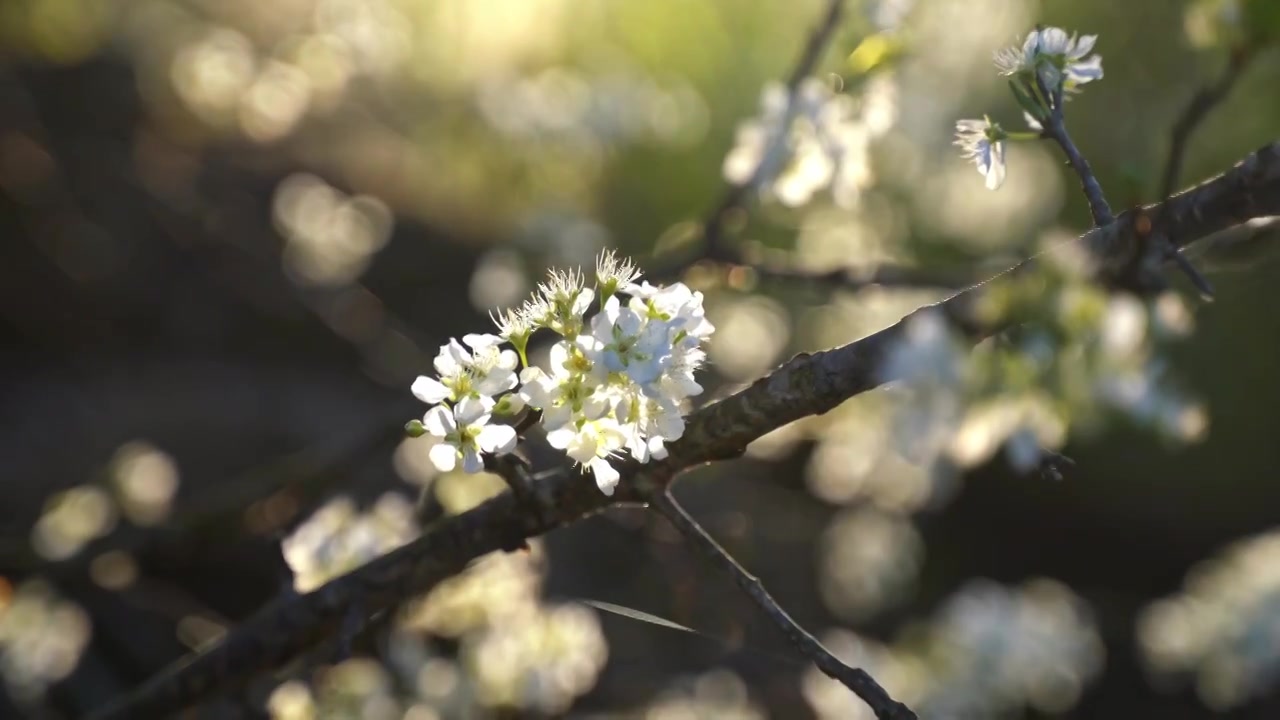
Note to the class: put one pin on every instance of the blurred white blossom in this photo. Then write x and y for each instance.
(1002, 648)
(331, 238)
(990, 651)
(1223, 628)
(338, 537)
(869, 560)
(488, 592)
(813, 140)
(715, 694)
(542, 659)
(41, 638)
(889, 14)
(1090, 352)
(71, 519)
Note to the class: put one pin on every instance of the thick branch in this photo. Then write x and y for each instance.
(808, 384)
(856, 679)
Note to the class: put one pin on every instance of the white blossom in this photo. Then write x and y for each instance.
(676, 304)
(563, 302)
(590, 443)
(678, 382)
(631, 342)
(812, 140)
(570, 391)
(984, 144)
(612, 273)
(465, 433)
(648, 424)
(1055, 56)
(514, 326)
(483, 371)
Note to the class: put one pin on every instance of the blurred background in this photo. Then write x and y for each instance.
(232, 233)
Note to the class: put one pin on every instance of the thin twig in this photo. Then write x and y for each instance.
(1098, 206)
(808, 384)
(1205, 100)
(856, 679)
(1055, 127)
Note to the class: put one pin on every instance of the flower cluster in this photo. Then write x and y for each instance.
(991, 650)
(810, 140)
(1049, 64)
(614, 383)
(1213, 629)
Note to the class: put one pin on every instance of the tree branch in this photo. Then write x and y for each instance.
(1201, 103)
(1205, 100)
(856, 679)
(808, 384)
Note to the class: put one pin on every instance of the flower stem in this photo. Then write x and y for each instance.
(1056, 129)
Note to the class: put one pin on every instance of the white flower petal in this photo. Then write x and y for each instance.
(657, 448)
(594, 407)
(444, 456)
(606, 476)
(439, 421)
(1083, 46)
(561, 437)
(471, 461)
(555, 417)
(643, 373)
(639, 448)
(497, 439)
(582, 447)
(508, 360)
(583, 300)
(670, 425)
(479, 341)
(1085, 70)
(430, 390)
(473, 410)
(996, 171)
(452, 359)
